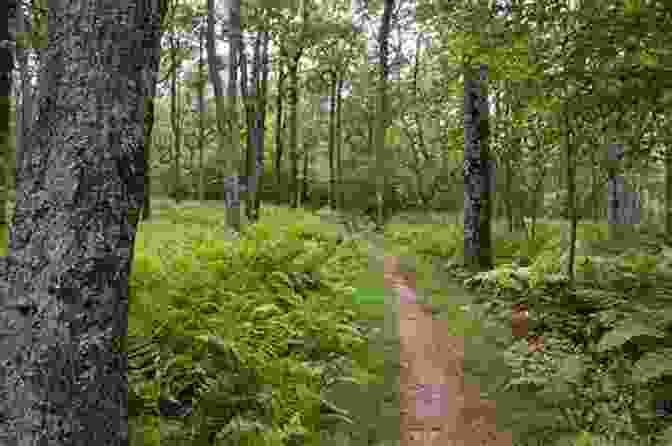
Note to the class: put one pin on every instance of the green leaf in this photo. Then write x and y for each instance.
(653, 365)
(665, 437)
(584, 439)
(571, 368)
(266, 309)
(625, 331)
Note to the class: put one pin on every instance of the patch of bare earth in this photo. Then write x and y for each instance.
(437, 406)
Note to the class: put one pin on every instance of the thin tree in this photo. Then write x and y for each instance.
(668, 190)
(201, 116)
(260, 120)
(333, 84)
(382, 115)
(24, 113)
(231, 189)
(152, 70)
(65, 315)
(339, 143)
(232, 181)
(175, 123)
(280, 116)
(6, 68)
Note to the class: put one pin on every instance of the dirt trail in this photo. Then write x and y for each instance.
(437, 406)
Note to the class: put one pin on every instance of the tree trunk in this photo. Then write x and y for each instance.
(339, 144)
(332, 131)
(201, 120)
(231, 200)
(615, 193)
(248, 106)
(477, 205)
(65, 317)
(24, 114)
(293, 129)
(279, 120)
(6, 65)
(508, 193)
(571, 200)
(595, 188)
(232, 179)
(152, 75)
(304, 176)
(382, 118)
(174, 122)
(249, 103)
(148, 128)
(260, 122)
(668, 191)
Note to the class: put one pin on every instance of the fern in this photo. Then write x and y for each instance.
(624, 331)
(653, 365)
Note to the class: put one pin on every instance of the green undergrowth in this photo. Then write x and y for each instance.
(263, 333)
(607, 357)
(256, 329)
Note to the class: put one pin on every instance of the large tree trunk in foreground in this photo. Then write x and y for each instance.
(64, 377)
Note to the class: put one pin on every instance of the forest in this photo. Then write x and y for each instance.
(198, 198)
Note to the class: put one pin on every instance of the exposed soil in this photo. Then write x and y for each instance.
(437, 406)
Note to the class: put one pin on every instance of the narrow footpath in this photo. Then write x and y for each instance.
(437, 406)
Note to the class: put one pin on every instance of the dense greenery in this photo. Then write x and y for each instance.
(260, 330)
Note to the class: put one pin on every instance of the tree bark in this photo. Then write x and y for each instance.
(201, 119)
(148, 128)
(24, 114)
(332, 136)
(260, 122)
(65, 316)
(232, 179)
(477, 204)
(231, 190)
(279, 120)
(382, 118)
(668, 190)
(249, 105)
(339, 143)
(571, 193)
(6, 67)
(304, 176)
(151, 77)
(174, 120)
(293, 129)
